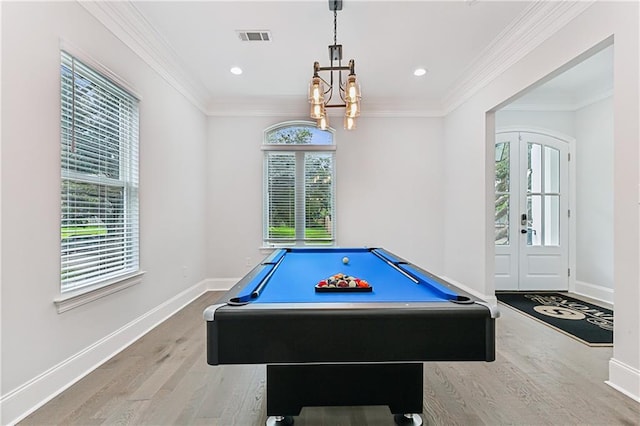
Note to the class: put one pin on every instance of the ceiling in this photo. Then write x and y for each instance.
(578, 86)
(387, 40)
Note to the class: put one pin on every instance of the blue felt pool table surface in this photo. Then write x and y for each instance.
(290, 276)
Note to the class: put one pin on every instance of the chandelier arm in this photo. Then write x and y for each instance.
(323, 80)
(330, 92)
(340, 68)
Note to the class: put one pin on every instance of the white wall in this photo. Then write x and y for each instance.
(469, 247)
(594, 196)
(389, 189)
(41, 349)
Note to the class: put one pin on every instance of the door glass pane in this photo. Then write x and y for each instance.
(502, 167)
(534, 167)
(551, 220)
(534, 220)
(502, 219)
(551, 170)
(502, 193)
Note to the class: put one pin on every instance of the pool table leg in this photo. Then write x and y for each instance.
(290, 387)
(407, 419)
(279, 421)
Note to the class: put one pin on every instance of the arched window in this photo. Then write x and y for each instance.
(299, 185)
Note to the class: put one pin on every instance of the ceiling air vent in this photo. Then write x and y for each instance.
(256, 35)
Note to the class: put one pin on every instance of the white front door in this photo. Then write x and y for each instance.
(531, 212)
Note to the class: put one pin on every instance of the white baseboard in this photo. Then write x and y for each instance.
(22, 401)
(594, 291)
(220, 284)
(624, 378)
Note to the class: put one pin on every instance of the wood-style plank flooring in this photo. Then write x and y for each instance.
(540, 377)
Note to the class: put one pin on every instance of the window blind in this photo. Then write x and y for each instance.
(99, 166)
(280, 188)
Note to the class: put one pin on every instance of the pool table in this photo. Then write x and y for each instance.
(346, 346)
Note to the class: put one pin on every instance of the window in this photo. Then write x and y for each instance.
(299, 185)
(99, 194)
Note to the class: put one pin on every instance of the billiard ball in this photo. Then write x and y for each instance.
(345, 260)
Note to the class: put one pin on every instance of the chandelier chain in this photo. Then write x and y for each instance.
(335, 27)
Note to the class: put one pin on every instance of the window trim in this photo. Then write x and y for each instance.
(74, 298)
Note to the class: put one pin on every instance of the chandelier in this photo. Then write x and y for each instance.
(346, 89)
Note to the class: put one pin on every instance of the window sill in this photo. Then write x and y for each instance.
(83, 296)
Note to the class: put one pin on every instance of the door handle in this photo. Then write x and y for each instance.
(523, 231)
(523, 219)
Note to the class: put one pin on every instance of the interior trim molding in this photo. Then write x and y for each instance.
(126, 22)
(220, 284)
(594, 291)
(74, 299)
(624, 378)
(294, 106)
(18, 403)
(536, 24)
(251, 111)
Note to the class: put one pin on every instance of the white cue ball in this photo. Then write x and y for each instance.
(345, 260)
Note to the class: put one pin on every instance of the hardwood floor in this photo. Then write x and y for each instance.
(540, 377)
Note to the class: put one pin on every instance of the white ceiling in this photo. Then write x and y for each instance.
(387, 40)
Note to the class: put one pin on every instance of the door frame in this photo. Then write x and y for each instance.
(571, 143)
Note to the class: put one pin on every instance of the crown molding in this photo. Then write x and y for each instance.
(295, 106)
(536, 23)
(126, 22)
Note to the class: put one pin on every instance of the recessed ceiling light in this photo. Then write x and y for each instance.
(236, 70)
(419, 72)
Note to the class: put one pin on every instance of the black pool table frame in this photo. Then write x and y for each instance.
(371, 352)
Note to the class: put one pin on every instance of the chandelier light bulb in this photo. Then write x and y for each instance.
(323, 122)
(349, 123)
(316, 91)
(352, 109)
(317, 111)
(353, 89)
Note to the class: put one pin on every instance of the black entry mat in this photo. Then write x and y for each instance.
(591, 324)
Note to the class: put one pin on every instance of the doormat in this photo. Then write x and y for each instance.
(590, 324)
